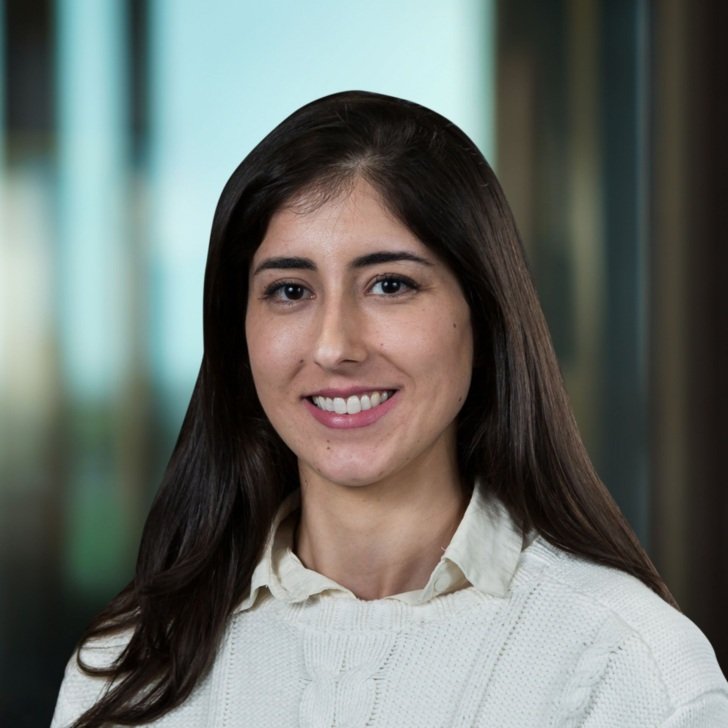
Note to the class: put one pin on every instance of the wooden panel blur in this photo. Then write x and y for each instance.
(609, 132)
(689, 310)
(572, 158)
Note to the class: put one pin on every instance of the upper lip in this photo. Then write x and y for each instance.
(347, 391)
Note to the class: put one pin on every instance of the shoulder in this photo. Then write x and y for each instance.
(627, 631)
(79, 689)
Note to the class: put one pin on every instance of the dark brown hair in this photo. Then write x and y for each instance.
(230, 471)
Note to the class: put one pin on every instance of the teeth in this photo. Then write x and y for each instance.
(352, 405)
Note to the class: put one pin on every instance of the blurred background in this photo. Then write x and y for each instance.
(120, 120)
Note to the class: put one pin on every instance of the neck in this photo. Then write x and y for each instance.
(380, 539)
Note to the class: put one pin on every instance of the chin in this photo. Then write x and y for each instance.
(351, 474)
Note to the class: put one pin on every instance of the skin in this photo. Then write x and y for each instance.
(379, 502)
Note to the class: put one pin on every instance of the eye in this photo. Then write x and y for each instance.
(392, 285)
(286, 292)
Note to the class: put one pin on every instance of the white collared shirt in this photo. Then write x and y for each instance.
(483, 553)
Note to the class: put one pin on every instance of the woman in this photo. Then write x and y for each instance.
(379, 511)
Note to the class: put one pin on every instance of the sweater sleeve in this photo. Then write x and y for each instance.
(706, 711)
(79, 690)
(633, 684)
(78, 693)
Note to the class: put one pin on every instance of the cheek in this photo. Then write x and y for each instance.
(453, 357)
(267, 364)
(438, 355)
(275, 356)
(257, 350)
(272, 349)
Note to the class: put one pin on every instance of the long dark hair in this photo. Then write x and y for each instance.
(230, 471)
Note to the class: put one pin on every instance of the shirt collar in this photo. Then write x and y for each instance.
(483, 553)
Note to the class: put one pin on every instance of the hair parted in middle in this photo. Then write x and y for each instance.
(229, 472)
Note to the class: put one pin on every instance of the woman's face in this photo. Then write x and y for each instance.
(359, 339)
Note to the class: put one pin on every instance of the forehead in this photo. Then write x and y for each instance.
(346, 224)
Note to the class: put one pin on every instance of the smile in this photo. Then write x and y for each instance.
(354, 404)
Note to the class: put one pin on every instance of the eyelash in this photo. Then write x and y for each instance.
(408, 282)
(274, 290)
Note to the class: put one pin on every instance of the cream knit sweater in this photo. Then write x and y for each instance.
(527, 638)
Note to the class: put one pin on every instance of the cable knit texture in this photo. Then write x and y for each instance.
(568, 644)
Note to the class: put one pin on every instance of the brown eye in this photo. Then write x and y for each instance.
(292, 292)
(286, 292)
(393, 285)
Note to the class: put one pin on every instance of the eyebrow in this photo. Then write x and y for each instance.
(363, 261)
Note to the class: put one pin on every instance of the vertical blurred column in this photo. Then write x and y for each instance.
(584, 214)
(29, 516)
(689, 309)
(91, 265)
(4, 424)
(3, 26)
(572, 142)
(624, 58)
(181, 174)
(3, 228)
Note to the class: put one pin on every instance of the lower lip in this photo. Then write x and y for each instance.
(344, 422)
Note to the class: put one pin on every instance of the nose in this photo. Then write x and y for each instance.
(339, 340)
